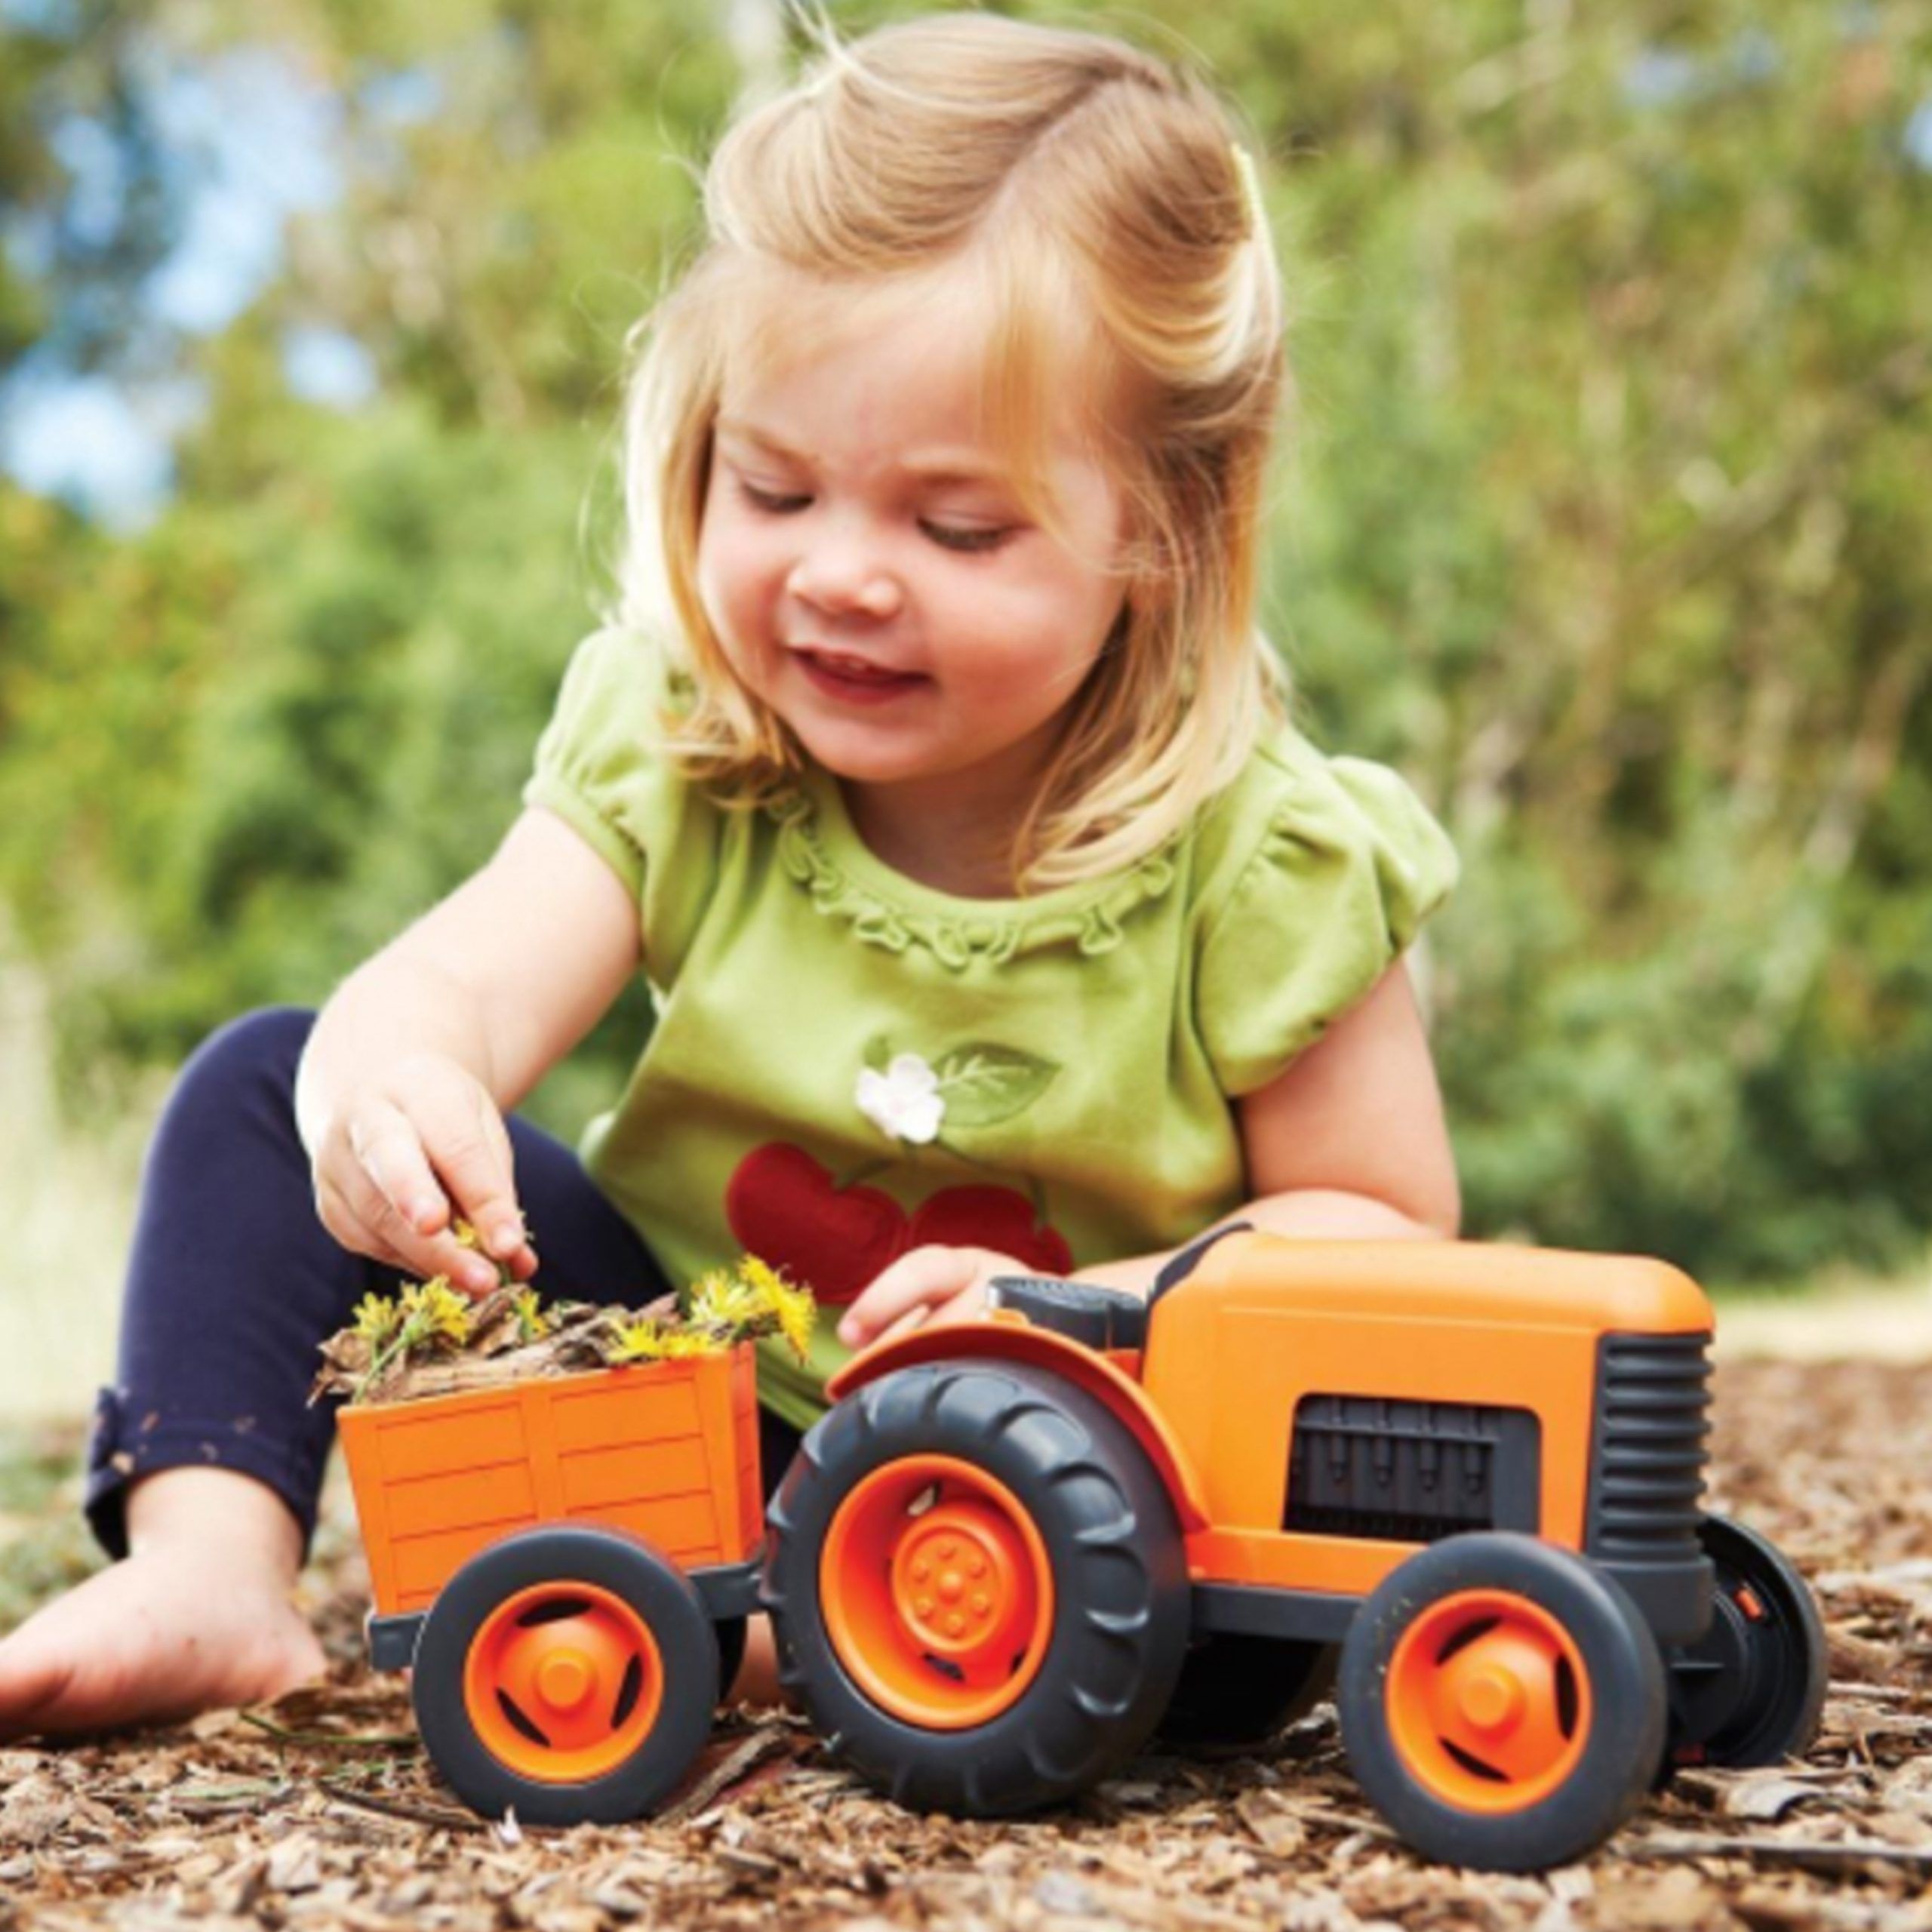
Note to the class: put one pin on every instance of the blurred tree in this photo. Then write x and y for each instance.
(1604, 516)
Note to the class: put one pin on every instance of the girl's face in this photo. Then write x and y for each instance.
(873, 581)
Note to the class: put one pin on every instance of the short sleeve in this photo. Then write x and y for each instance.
(595, 768)
(1347, 865)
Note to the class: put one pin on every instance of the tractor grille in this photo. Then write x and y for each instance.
(1646, 1483)
(1409, 1472)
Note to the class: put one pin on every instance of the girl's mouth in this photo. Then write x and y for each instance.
(852, 680)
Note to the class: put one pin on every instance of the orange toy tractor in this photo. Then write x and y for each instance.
(1017, 1549)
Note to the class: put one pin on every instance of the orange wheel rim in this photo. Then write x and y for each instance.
(563, 1682)
(937, 1593)
(1488, 1701)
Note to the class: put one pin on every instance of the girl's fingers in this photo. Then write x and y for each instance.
(393, 1193)
(466, 1141)
(907, 1286)
(970, 1301)
(504, 1235)
(913, 1317)
(965, 1305)
(390, 1153)
(421, 1255)
(342, 1221)
(960, 1306)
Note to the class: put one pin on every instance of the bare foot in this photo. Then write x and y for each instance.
(199, 1618)
(150, 1639)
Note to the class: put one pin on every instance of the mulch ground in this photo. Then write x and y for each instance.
(321, 1811)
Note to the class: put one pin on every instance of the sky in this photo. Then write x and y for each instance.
(255, 142)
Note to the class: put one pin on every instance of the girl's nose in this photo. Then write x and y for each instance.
(842, 572)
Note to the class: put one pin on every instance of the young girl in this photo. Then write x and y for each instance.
(932, 769)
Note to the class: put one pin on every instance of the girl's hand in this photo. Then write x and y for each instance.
(405, 1155)
(930, 1284)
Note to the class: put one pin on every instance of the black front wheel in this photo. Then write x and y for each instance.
(1502, 1702)
(1751, 1690)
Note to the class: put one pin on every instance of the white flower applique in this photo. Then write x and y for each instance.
(904, 1101)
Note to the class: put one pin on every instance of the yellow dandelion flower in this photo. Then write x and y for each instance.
(648, 1340)
(791, 1308)
(377, 1318)
(718, 1301)
(464, 1235)
(532, 1322)
(434, 1308)
(633, 1341)
(684, 1344)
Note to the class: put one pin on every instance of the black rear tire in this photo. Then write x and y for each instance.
(1750, 1691)
(1107, 1667)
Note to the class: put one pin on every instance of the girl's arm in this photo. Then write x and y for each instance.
(412, 1061)
(1349, 1144)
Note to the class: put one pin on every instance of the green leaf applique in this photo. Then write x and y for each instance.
(983, 1083)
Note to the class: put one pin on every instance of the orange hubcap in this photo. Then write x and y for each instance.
(937, 1593)
(1488, 1702)
(563, 1682)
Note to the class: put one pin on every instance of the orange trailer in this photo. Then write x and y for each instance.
(566, 1565)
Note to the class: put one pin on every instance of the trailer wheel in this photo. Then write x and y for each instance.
(977, 1580)
(1502, 1703)
(1750, 1691)
(1237, 1690)
(570, 1674)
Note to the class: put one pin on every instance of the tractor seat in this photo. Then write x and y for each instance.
(1100, 1317)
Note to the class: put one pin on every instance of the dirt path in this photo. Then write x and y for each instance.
(1888, 1321)
(322, 1813)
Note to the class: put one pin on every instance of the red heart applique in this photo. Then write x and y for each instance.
(786, 1209)
(995, 1217)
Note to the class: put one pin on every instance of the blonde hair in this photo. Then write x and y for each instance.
(1067, 175)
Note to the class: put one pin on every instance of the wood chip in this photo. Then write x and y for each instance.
(1766, 1798)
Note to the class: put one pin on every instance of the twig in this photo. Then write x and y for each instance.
(762, 1744)
(338, 1741)
(225, 1789)
(1823, 1854)
(442, 1818)
(224, 1800)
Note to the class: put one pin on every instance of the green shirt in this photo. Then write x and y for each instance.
(846, 1063)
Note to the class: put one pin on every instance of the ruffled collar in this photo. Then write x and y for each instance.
(819, 847)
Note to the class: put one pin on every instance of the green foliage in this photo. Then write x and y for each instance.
(1605, 518)
(47, 1548)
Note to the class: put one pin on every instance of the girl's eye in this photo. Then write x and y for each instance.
(967, 540)
(764, 499)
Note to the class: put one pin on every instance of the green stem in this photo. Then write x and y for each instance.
(408, 1334)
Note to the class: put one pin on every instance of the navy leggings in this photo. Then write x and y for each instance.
(233, 1282)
